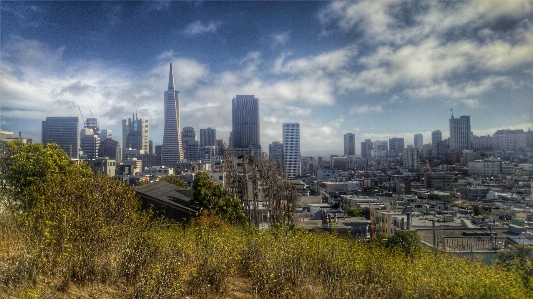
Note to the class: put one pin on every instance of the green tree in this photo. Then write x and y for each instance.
(518, 258)
(26, 165)
(178, 181)
(211, 196)
(355, 212)
(407, 240)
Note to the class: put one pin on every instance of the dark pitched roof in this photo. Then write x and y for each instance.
(169, 195)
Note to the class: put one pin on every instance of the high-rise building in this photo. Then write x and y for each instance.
(89, 143)
(349, 144)
(291, 149)
(245, 122)
(381, 145)
(208, 137)
(366, 148)
(482, 143)
(275, 152)
(172, 152)
(188, 133)
(150, 147)
(192, 151)
(411, 158)
(436, 137)
(396, 145)
(111, 149)
(135, 133)
(64, 131)
(460, 133)
(105, 133)
(419, 141)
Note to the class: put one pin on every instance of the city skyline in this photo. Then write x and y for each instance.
(334, 67)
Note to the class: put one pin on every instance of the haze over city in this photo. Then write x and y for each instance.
(378, 69)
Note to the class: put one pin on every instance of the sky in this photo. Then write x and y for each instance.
(377, 69)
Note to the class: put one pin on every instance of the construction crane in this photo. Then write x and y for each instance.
(91, 114)
(82, 119)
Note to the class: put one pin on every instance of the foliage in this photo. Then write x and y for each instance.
(406, 240)
(178, 181)
(355, 212)
(26, 165)
(518, 258)
(211, 196)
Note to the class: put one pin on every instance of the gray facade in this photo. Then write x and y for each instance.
(245, 121)
(64, 131)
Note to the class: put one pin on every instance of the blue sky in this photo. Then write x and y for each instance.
(378, 69)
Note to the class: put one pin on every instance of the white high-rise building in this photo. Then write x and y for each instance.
(419, 141)
(291, 149)
(349, 144)
(411, 158)
(460, 133)
(171, 151)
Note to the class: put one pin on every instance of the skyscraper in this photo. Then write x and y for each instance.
(208, 137)
(436, 137)
(419, 141)
(460, 133)
(171, 152)
(110, 148)
(89, 143)
(349, 144)
(64, 131)
(396, 145)
(366, 148)
(275, 152)
(291, 149)
(135, 133)
(245, 122)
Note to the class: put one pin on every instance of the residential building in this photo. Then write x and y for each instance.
(411, 158)
(509, 140)
(64, 131)
(208, 137)
(482, 143)
(349, 144)
(171, 151)
(460, 133)
(291, 149)
(419, 141)
(485, 167)
(245, 123)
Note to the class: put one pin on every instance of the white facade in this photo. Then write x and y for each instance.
(378, 154)
(291, 149)
(172, 151)
(485, 167)
(482, 143)
(509, 140)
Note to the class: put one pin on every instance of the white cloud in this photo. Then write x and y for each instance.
(366, 109)
(279, 39)
(197, 27)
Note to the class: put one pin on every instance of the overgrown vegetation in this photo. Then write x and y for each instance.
(84, 236)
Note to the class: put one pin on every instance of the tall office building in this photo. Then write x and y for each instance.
(135, 134)
(381, 145)
(349, 144)
(245, 122)
(436, 137)
(411, 158)
(111, 149)
(419, 141)
(460, 133)
(208, 137)
(366, 148)
(105, 133)
(64, 131)
(89, 143)
(171, 152)
(396, 145)
(188, 133)
(291, 149)
(275, 152)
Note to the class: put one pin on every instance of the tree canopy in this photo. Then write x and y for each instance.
(178, 181)
(211, 196)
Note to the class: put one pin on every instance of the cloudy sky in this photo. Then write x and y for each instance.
(378, 69)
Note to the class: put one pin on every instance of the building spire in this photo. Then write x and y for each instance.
(171, 79)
